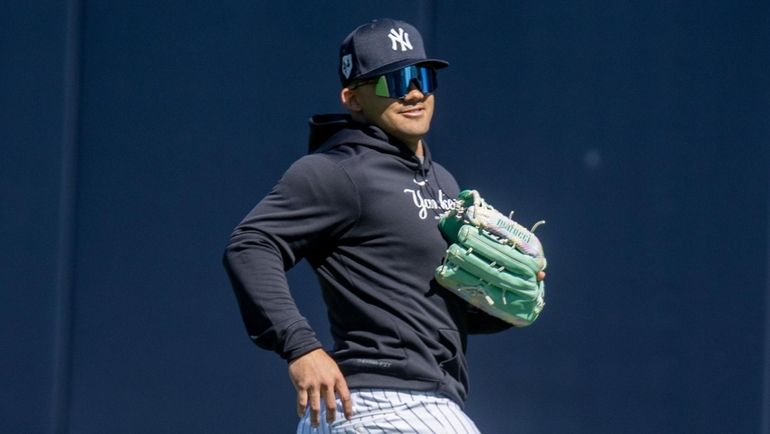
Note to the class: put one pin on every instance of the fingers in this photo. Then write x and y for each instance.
(317, 378)
(331, 408)
(540, 276)
(309, 398)
(301, 402)
(315, 407)
(344, 394)
(312, 398)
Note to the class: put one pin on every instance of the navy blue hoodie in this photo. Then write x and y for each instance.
(363, 210)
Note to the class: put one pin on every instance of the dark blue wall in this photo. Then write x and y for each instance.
(135, 135)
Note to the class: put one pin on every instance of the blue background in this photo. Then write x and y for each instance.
(136, 135)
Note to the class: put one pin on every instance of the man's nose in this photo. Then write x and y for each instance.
(414, 93)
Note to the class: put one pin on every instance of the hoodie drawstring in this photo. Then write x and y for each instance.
(426, 186)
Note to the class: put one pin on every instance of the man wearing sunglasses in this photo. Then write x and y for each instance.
(362, 207)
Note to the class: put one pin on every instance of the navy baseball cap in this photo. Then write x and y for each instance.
(382, 46)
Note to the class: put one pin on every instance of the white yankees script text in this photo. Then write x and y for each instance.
(442, 203)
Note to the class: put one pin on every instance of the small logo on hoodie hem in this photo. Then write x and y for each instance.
(373, 362)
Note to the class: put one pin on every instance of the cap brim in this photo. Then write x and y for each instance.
(435, 63)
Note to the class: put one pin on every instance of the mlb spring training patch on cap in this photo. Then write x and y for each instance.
(382, 46)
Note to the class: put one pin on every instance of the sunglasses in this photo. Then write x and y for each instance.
(396, 84)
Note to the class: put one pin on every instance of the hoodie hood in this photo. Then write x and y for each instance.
(330, 130)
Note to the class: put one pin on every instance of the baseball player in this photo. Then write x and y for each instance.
(363, 209)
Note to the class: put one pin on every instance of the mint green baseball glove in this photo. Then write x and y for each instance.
(492, 261)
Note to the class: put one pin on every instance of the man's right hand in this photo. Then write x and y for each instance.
(315, 375)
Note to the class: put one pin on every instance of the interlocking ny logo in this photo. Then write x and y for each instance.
(400, 37)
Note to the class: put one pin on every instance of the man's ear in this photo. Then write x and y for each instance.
(349, 99)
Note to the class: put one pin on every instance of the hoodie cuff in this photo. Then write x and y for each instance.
(300, 340)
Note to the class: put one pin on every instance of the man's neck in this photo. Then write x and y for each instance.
(417, 148)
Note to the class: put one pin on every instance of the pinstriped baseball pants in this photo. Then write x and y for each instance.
(386, 411)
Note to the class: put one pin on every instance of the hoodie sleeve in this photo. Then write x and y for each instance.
(481, 323)
(314, 202)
